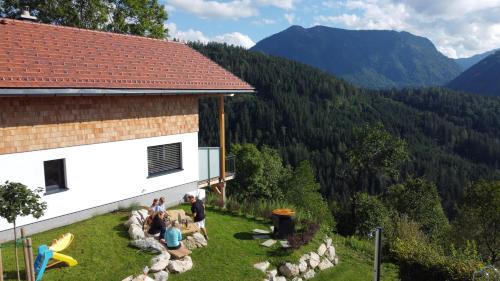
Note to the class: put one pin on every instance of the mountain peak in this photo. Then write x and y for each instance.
(369, 58)
(480, 78)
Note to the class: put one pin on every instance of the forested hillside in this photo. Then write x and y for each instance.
(368, 58)
(466, 63)
(481, 78)
(308, 114)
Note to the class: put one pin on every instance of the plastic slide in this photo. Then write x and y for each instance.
(50, 256)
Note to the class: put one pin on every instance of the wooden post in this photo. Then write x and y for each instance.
(222, 150)
(31, 260)
(25, 254)
(26, 261)
(1, 266)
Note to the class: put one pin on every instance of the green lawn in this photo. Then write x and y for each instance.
(100, 246)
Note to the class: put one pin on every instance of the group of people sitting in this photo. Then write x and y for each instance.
(168, 229)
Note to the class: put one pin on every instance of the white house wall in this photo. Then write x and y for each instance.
(98, 174)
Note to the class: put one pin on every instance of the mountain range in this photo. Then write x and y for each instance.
(481, 78)
(368, 58)
(307, 114)
(466, 63)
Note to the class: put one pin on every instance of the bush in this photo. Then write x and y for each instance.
(369, 213)
(421, 260)
(419, 200)
(305, 236)
(304, 192)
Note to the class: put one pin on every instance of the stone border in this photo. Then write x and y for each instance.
(324, 258)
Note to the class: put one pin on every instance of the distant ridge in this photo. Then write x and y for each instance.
(369, 58)
(466, 63)
(481, 78)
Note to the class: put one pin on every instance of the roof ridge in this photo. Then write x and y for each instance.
(165, 40)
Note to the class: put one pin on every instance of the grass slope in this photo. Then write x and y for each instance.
(100, 246)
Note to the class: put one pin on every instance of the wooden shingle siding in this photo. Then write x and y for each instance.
(36, 123)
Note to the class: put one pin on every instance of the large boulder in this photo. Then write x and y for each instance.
(137, 214)
(149, 244)
(302, 266)
(262, 266)
(135, 232)
(325, 264)
(330, 253)
(143, 277)
(132, 220)
(296, 278)
(305, 257)
(309, 274)
(130, 278)
(289, 270)
(161, 276)
(279, 278)
(328, 241)
(271, 274)
(160, 262)
(200, 239)
(190, 243)
(143, 213)
(178, 214)
(321, 249)
(180, 266)
(314, 260)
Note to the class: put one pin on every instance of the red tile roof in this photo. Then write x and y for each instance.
(34, 55)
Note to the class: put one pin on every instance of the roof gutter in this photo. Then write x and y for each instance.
(15, 92)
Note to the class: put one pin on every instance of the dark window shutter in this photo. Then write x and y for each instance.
(164, 158)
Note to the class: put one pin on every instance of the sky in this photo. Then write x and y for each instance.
(458, 28)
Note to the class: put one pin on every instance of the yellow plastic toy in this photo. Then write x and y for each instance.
(59, 245)
(50, 256)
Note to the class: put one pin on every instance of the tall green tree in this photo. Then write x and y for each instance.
(419, 200)
(369, 213)
(137, 17)
(16, 200)
(479, 218)
(260, 174)
(302, 191)
(375, 154)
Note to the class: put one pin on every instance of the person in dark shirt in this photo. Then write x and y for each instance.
(158, 224)
(198, 214)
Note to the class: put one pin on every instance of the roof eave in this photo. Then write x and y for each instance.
(15, 92)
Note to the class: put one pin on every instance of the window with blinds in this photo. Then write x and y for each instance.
(164, 158)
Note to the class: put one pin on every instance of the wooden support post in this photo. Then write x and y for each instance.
(1, 266)
(30, 259)
(26, 261)
(25, 254)
(222, 150)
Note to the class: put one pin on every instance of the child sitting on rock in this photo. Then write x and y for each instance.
(173, 236)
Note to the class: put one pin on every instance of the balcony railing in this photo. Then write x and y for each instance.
(209, 166)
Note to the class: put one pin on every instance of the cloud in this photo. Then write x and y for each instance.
(264, 21)
(458, 28)
(283, 4)
(233, 9)
(236, 39)
(191, 35)
(289, 18)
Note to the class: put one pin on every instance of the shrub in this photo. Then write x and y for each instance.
(304, 192)
(421, 260)
(305, 236)
(233, 205)
(369, 213)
